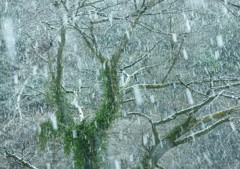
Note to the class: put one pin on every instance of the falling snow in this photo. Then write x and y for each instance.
(174, 37)
(117, 164)
(216, 55)
(152, 99)
(131, 158)
(35, 70)
(6, 7)
(225, 10)
(188, 26)
(207, 158)
(54, 121)
(185, 55)
(74, 132)
(110, 17)
(220, 41)
(138, 96)
(122, 79)
(9, 37)
(145, 139)
(128, 34)
(167, 58)
(15, 79)
(233, 127)
(48, 165)
(189, 97)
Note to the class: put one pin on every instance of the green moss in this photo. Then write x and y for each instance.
(47, 133)
(90, 134)
(178, 130)
(50, 95)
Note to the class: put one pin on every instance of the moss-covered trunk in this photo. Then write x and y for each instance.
(92, 135)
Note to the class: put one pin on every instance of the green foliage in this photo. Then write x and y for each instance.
(47, 133)
(43, 136)
(90, 134)
(85, 148)
(56, 98)
(68, 140)
(50, 95)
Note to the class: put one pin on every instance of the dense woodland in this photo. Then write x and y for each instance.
(119, 84)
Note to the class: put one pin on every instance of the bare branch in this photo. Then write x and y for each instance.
(91, 43)
(128, 100)
(174, 83)
(64, 3)
(85, 38)
(144, 56)
(190, 109)
(84, 4)
(32, 88)
(234, 5)
(216, 115)
(201, 132)
(191, 89)
(142, 115)
(154, 128)
(173, 62)
(125, 38)
(226, 86)
(20, 160)
(135, 73)
(228, 4)
(18, 107)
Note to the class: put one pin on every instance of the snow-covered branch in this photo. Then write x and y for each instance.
(18, 108)
(154, 127)
(91, 44)
(201, 132)
(226, 86)
(125, 38)
(127, 81)
(190, 109)
(142, 115)
(20, 160)
(175, 83)
(140, 59)
(215, 116)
